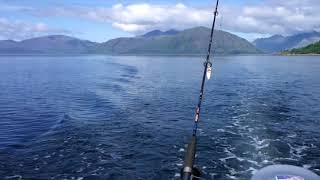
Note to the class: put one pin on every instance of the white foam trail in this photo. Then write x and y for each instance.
(179, 164)
(14, 177)
(307, 166)
(221, 130)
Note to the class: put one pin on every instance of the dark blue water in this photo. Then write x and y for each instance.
(99, 117)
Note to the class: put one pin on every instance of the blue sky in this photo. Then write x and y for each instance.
(101, 20)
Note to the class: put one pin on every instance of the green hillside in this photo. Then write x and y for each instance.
(310, 49)
(190, 41)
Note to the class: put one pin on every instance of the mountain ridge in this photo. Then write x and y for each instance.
(160, 33)
(278, 43)
(189, 41)
(52, 44)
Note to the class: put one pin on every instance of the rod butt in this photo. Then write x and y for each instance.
(189, 159)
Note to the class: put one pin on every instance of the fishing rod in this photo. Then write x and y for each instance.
(277, 172)
(188, 170)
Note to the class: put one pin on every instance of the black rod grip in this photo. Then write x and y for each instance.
(189, 159)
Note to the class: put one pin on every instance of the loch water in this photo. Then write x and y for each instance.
(127, 117)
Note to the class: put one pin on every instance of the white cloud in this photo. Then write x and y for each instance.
(136, 18)
(266, 17)
(139, 18)
(130, 27)
(18, 30)
(274, 17)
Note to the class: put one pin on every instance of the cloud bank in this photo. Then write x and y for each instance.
(139, 18)
(264, 18)
(18, 30)
(275, 17)
(269, 17)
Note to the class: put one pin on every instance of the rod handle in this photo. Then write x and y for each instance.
(189, 159)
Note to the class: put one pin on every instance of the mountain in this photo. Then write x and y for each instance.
(171, 32)
(55, 44)
(189, 41)
(192, 41)
(160, 33)
(310, 49)
(7, 43)
(279, 43)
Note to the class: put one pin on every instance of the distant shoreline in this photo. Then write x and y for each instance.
(155, 55)
(169, 55)
(293, 54)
